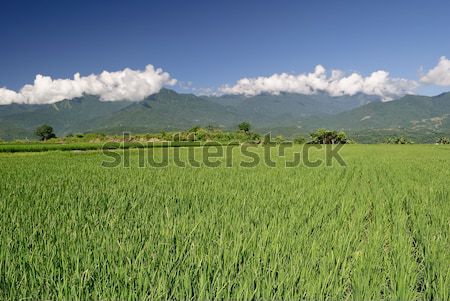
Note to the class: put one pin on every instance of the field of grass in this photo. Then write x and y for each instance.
(84, 146)
(378, 228)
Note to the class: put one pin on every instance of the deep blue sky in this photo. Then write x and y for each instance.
(215, 42)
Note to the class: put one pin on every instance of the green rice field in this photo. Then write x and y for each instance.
(85, 146)
(377, 228)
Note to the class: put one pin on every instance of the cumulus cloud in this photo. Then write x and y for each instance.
(131, 85)
(439, 75)
(336, 84)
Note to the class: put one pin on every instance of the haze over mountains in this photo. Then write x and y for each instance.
(285, 113)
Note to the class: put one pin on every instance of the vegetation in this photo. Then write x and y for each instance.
(323, 136)
(443, 140)
(244, 127)
(43, 147)
(194, 136)
(280, 139)
(397, 140)
(198, 133)
(94, 141)
(299, 140)
(45, 132)
(362, 117)
(376, 229)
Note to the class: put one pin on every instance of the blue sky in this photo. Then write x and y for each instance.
(210, 43)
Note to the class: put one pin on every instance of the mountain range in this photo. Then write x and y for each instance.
(366, 117)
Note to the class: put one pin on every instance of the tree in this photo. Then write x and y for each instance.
(397, 140)
(245, 127)
(323, 136)
(443, 140)
(299, 140)
(194, 129)
(279, 139)
(176, 137)
(191, 137)
(45, 132)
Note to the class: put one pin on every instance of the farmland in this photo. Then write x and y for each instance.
(377, 228)
(85, 146)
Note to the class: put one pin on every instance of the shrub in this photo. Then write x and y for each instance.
(299, 140)
(324, 136)
(397, 140)
(279, 139)
(194, 129)
(191, 137)
(443, 140)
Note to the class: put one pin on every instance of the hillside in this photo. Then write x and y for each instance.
(409, 112)
(268, 110)
(287, 114)
(67, 116)
(169, 110)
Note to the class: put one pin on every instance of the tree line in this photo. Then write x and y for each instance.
(244, 133)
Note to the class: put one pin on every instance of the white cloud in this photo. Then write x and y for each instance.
(131, 85)
(439, 75)
(337, 84)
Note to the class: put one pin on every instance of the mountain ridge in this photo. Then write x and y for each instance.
(170, 111)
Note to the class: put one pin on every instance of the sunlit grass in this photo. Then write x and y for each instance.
(377, 228)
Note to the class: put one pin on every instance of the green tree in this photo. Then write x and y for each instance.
(194, 129)
(443, 140)
(279, 139)
(202, 134)
(176, 137)
(191, 137)
(45, 132)
(397, 140)
(244, 126)
(323, 136)
(299, 140)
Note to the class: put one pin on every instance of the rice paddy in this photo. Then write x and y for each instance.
(377, 228)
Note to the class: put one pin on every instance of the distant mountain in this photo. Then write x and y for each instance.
(67, 116)
(286, 113)
(409, 112)
(288, 108)
(168, 110)
(10, 131)
(12, 109)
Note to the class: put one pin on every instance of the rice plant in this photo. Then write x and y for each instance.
(377, 228)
